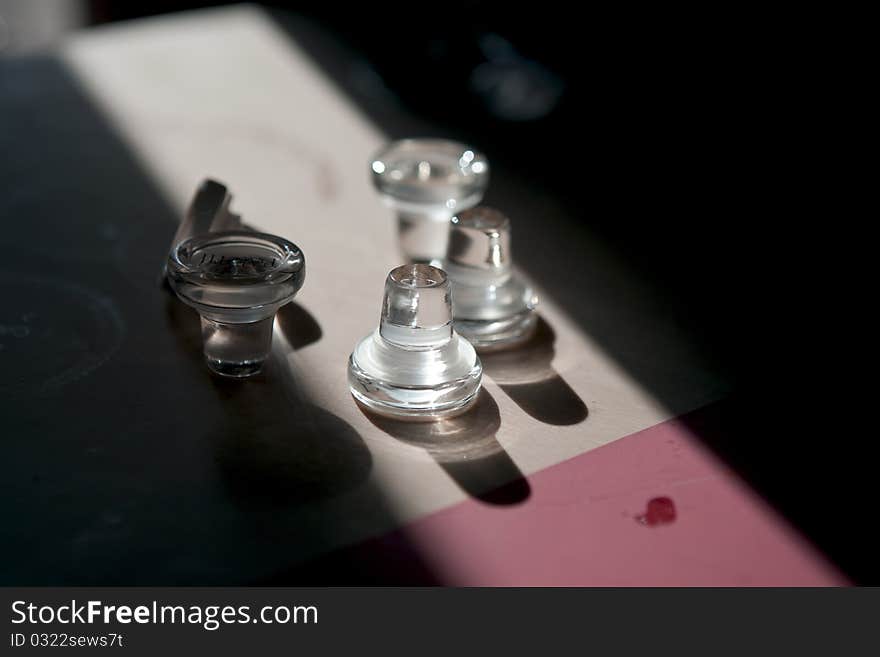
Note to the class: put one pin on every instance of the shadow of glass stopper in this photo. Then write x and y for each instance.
(274, 448)
(278, 449)
(526, 374)
(298, 326)
(466, 448)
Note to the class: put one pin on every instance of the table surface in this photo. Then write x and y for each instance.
(129, 463)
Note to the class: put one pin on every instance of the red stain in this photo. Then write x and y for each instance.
(660, 511)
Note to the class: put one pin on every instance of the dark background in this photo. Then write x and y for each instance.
(671, 138)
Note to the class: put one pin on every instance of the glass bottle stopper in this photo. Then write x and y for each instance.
(236, 280)
(415, 366)
(426, 181)
(492, 306)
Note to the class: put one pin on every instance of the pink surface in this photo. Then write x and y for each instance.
(652, 509)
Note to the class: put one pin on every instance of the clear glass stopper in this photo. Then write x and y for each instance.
(493, 307)
(415, 366)
(236, 281)
(426, 181)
